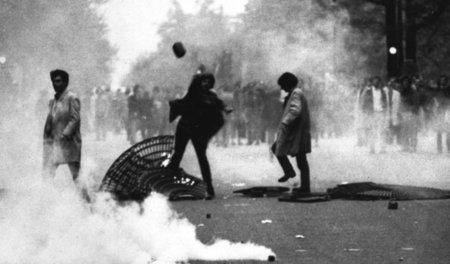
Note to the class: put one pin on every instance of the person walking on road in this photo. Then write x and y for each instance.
(294, 135)
(62, 137)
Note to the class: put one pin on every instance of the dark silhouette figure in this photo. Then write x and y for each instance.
(201, 114)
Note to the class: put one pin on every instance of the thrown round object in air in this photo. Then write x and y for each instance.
(178, 49)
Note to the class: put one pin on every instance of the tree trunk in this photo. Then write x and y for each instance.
(410, 40)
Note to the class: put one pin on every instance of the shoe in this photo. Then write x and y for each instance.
(285, 178)
(210, 196)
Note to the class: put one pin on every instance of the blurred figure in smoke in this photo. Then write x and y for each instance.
(201, 114)
(238, 118)
(62, 137)
(135, 113)
(294, 136)
(394, 88)
(443, 113)
(160, 109)
(102, 108)
(361, 115)
(146, 104)
(271, 114)
(253, 108)
(315, 106)
(375, 107)
(409, 109)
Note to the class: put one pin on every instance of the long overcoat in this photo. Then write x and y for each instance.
(63, 119)
(294, 135)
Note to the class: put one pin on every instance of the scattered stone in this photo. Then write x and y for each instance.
(352, 249)
(408, 249)
(208, 216)
(271, 258)
(393, 205)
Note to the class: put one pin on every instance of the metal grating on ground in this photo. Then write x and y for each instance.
(140, 170)
(374, 191)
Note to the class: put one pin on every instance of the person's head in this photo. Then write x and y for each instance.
(127, 90)
(156, 90)
(137, 89)
(287, 81)
(60, 80)
(406, 84)
(376, 81)
(207, 81)
(443, 81)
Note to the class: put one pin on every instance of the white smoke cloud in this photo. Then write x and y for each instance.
(51, 224)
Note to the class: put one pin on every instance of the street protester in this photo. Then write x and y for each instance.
(201, 114)
(135, 113)
(102, 109)
(409, 109)
(443, 113)
(375, 105)
(62, 137)
(294, 136)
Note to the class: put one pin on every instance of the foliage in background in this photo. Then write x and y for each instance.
(38, 36)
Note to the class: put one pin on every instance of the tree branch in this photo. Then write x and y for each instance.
(434, 16)
(377, 2)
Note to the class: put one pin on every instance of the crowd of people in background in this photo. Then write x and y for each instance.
(397, 110)
(387, 112)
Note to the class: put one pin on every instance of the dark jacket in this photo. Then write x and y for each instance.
(201, 114)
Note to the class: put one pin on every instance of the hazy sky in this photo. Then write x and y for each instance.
(133, 24)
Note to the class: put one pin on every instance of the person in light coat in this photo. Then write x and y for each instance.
(62, 137)
(294, 135)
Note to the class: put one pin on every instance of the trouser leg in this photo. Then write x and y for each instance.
(74, 168)
(303, 166)
(200, 146)
(439, 142)
(181, 141)
(286, 165)
(447, 140)
(50, 170)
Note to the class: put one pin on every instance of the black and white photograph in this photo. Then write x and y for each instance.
(224, 131)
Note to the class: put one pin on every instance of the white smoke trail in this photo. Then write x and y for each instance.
(50, 224)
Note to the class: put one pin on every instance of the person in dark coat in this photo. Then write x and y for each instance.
(62, 137)
(409, 109)
(201, 114)
(294, 135)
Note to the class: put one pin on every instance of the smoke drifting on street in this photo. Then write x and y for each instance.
(48, 224)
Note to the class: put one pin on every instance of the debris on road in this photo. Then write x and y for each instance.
(299, 236)
(266, 221)
(393, 205)
(408, 249)
(352, 249)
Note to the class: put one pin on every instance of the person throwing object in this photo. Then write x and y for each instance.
(201, 114)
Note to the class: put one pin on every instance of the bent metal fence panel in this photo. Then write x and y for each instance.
(142, 169)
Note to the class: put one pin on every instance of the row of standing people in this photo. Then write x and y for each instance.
(396, 111)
